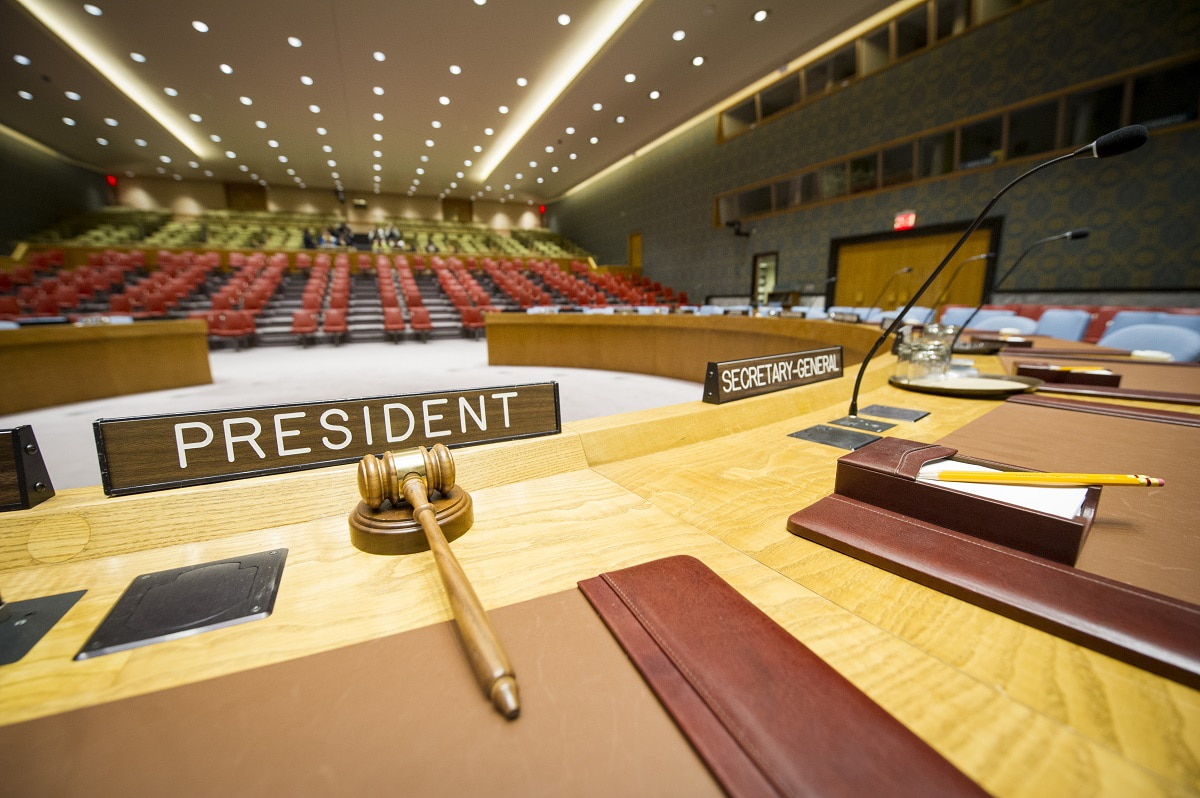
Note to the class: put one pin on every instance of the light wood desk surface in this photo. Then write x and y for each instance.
(1020, 711)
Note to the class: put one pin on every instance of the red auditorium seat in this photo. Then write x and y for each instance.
(235, 324)
(335, 325)
(304, 326)
(10, 307)
(393, 323)
(472, 321)
(421, 323)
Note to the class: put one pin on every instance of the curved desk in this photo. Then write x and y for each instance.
(676, 346)
(62, 363)
(1020, 711)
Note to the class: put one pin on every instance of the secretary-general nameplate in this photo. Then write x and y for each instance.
(170, 451)
(738, 379)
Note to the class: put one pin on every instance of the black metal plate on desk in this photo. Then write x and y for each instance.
(898, 413)
(858, 422)
(24, 623)
(168, 605)
(835, 436)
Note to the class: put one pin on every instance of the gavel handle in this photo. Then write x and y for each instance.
(487, 657)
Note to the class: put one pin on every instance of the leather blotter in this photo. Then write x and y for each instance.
(1143, 628)
(1048, 373)
(766, 713)
(884, 474)
(1121, 411)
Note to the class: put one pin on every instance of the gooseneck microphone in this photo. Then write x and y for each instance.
(946, 290)
(1117, 142)
(882, 291)
(1070, 235)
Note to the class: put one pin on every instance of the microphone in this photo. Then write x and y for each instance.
(1117, 142)
(1070, 235)
(882, 291)
(946, 289)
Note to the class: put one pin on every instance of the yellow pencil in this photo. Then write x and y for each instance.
(1046, 478)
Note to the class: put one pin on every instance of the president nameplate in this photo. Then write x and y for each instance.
(739, 379)
(149, 453)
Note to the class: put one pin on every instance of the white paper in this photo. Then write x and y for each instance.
(1061, 500)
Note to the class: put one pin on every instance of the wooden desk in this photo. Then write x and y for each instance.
(677, 346)
(62, 363)
(1020, 711)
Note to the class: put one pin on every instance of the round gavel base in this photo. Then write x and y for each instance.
(392, 529)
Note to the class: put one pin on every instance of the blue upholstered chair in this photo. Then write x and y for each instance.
(957, 316)
(1068, 324)
(1127, 318)
(1180, 343)
(1022, 324)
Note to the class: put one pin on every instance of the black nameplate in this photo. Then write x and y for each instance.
(149, 453)
(24, 480)
(848, 318)
(738, 379)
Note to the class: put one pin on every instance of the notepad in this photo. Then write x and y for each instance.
(1062, 501)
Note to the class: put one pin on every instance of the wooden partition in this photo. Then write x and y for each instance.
(676, 346)
(62, 363)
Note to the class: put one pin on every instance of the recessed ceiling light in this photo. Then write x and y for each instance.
(165, 158)
(378, 90)
(455, 69)
(331, 163)
(379, 56)
(541, 180)
(698, 60)
(460, 175)
(294, 42)
(654, 95)
(321, 131)
(571, 131)
(141, 59)
(503, 109)
(71, 95)
(215, 138)
(620, 120)
(245, 101)
(420, 171)
(24, 95)
(508, 186)
(230, 154)
(428, 142)
(194, 164)
(334, 175)
(554, 169)
(377, 117)
(533, 164)
(108, 120)
(487, 131)
(424, 159)
(522, 82)
(549, 148)
(597, 106)
(572, 156)
(444, 100)
(226, 68)
(23, 60)
(68, 121)
(195, 117)
(630, 77)
(435, 124)
(103, 142)
(377, 153)
(207, 173)
(316, 109)
(760, 15)
(306, 80)
(283, 159)
(261, 125)
(242, 167)
(678, 35)
(272, 143)
(519, 176)
(594, 140)
(200, 26)
(326, 148)
(377, 136)
(477, 148)
(91, 9)
(467, 163)
(170, 92)
(564, 19)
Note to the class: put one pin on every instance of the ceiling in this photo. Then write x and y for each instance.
(421, 97)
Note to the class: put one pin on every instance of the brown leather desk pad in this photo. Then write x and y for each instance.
(402, 715)
(1141, 376)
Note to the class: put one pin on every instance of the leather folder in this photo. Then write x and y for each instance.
(1047, 373)
(766, 713)
(884, 473)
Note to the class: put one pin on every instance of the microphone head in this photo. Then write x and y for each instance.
(1081, 232)
(1119, 141)
(905, 270)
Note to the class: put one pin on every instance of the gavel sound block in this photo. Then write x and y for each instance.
(383, 523)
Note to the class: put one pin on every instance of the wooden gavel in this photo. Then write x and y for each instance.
(410, 476)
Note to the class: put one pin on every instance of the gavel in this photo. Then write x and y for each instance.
(410, 476)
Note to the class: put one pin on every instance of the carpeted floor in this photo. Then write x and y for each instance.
(279, 375)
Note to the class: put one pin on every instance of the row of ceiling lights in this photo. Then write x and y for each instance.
(202, 27)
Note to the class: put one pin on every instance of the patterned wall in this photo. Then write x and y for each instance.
(1143, 208)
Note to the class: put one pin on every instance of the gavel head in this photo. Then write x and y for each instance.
(380, 478)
